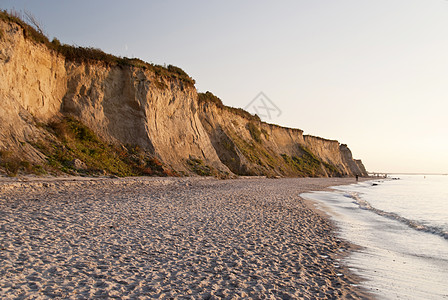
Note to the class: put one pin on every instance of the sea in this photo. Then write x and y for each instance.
(401, 226)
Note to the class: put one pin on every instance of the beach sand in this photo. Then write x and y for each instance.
(185, 238)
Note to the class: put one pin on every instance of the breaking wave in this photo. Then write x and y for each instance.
(363, 204)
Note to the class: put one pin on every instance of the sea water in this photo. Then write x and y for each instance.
(402, 228)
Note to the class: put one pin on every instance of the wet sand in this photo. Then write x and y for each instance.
(187, 238)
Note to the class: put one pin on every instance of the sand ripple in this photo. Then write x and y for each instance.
(167, 238)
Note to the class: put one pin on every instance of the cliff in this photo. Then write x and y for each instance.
(75, 110)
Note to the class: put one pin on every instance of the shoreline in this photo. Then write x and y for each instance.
(351, 247)
(402, 253)
(171, 237)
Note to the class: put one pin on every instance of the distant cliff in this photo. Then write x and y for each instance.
(79, 110)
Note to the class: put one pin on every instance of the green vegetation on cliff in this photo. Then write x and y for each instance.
(198, 166)
(235, 140)
(310, 165)
(89, 54)
(12, 165)
(74, 141)
(255, 133)
(73, 148)
(208, 97)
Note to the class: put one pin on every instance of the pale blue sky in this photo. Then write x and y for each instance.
(370, 73)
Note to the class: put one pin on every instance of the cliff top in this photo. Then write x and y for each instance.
(129, 117)
(88, 54)
(95, 55)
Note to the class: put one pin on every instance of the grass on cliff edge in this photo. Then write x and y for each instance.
(75, 141)
(209, 97)
(89, 54)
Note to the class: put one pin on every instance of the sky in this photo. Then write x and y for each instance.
(372, 74)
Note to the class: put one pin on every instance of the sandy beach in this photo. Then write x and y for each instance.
(178, 238)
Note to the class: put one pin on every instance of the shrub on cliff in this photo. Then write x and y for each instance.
(209, 97)
(88, 54)
(73, 141)
(12, 165)
(255, 133)
(29, 31)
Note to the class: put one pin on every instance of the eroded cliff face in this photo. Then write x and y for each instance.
(133, 106)
(128, 105)
(32, 85)
(250, 147)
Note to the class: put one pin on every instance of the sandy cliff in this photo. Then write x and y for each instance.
(133, 106)
(160, 112)
(32, 85)
(250, 147)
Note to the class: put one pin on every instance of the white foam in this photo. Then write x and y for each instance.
(400, 257)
